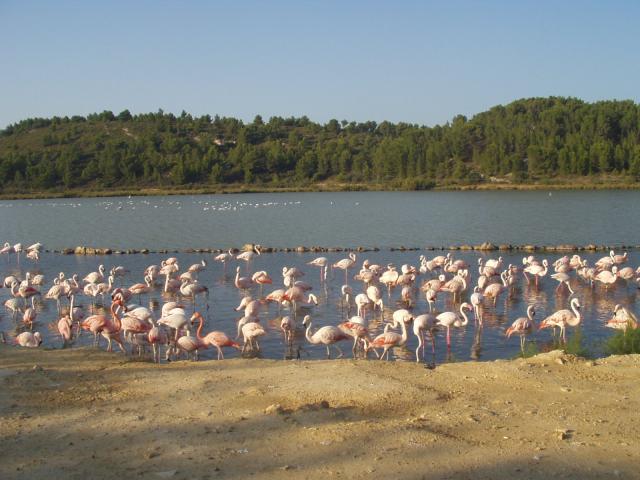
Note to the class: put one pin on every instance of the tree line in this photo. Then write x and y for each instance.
(527, 140)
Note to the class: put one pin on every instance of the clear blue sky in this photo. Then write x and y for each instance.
(414, 61)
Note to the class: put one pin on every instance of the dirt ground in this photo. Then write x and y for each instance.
(82, 413)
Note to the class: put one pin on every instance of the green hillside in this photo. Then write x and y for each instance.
(538, 140)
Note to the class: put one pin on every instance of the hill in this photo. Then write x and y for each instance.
(538, 140)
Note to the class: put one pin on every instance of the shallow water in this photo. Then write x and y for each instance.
(347, 219)
(467, 343)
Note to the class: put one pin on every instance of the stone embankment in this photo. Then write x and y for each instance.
(484, 247)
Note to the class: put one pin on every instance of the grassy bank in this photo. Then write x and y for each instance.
(318, 187)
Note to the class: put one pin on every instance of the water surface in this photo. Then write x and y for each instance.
(346, 219)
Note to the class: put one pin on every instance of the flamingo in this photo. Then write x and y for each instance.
(157, 336)
(607, 278)
(373, 293)
(248, 255)
(198, 267)
(29, 317)
(95, 277)
(388, 340)
(345, 264)
(216, 339)
(453, 319)
(141, 288)
(605, 263)
(64, 329)
(6, 248)
(563, 318)
(362, 302)
(422, 324)
(495, 289)
(190, 344)
(25, 292)
(29, 339)
(242, 283)
(357, 328)
(522, 326)
(431, 297)
(261, 278)
(476, 299)
(224, 258)
(250, 333)
(55, 292)
(288, 327)
(327, 335)
(618, 259)
(175, 319)
(321, 263)
(346, 294)
(622, 319)
(112, 330)
(538, 271)
(13, 304)
(562, 278)
(192, 289)
(389, 278)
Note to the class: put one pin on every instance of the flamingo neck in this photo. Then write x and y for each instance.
(464, 316)
(307, 334)
(199, 331)
(114, 315)
(573, 321)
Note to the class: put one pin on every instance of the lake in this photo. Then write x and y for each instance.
(334, 219)
(345, 219)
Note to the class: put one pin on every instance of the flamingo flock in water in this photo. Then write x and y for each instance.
(133, 328)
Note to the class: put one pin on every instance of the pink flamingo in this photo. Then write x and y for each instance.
(607, 278)
(242, 283)
(215, 338)
(538, 271)
(288, 327)
(478, 308)
(190, 344)
(622, 319)
(29, 339)
(374, 294)
(261, 278)
(250, 333)
(495, 289)
(224, 258)
(95, 277)
(321, 263)
(453, 319)
(362, 303)
(142, 288)
(389, 278)
(388, 340)
(562, 278)
(357, 328)
(422, 324)
(345, 264)
(522, 326)
(431, 297)
(29, 317)
(564, 318)
(328, 335)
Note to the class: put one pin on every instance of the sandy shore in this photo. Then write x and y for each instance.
(82, 413)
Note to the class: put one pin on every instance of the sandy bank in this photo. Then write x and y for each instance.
(82, 413)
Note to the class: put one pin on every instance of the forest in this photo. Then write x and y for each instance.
(527, 141)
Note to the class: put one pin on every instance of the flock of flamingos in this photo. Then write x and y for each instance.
(366, 289)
